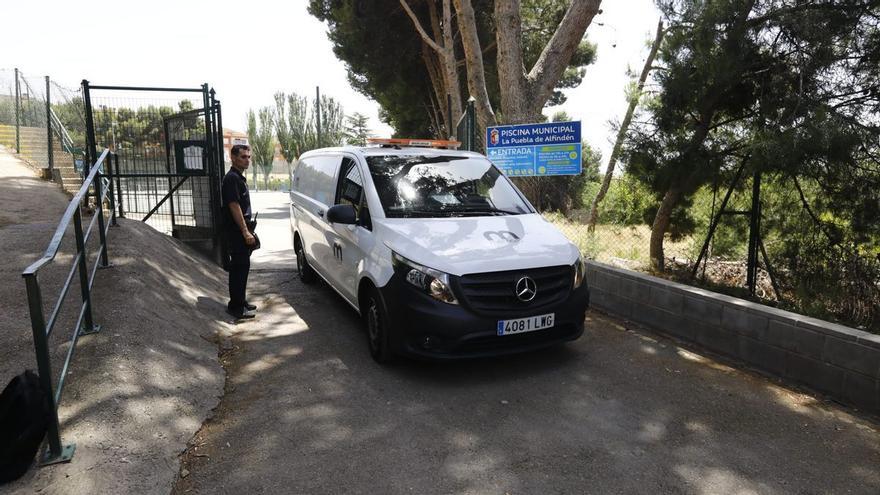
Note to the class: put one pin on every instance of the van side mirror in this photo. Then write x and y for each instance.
(344, 214)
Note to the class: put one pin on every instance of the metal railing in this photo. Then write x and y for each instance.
(42, 329)
(66, 141)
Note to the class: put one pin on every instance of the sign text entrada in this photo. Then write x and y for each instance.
(536, 149)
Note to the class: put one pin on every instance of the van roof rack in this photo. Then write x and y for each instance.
(414, 143)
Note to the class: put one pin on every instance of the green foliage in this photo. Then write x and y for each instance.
(296, 124)
(261, 139)
(626, 201)
(7, 110)
(331, 129)
(72, 115)
(792, 90)
(357, 129)
(386, 63)
(383, 55)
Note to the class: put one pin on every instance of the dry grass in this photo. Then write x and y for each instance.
(621, 245)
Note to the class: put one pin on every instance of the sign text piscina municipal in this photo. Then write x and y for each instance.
(536, 149)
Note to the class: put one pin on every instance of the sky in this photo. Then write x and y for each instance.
(248, 51)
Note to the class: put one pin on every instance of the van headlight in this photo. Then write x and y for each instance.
(428, 280)
(580, 272)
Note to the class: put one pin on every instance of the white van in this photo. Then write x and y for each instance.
(441, 255)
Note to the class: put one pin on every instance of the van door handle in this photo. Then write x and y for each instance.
(319, 212)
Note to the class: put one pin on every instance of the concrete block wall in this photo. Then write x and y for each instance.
(838, 361)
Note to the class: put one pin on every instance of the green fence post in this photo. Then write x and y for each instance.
(55, 452)
(49, 127)
(110, 192)
(472, 124)
(89, 324)
(17, 114)
(118, 187)
(91, 145)
(99, 210)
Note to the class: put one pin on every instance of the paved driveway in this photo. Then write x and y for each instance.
(619, 411)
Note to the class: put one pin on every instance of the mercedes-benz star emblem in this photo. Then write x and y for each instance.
(526, 289)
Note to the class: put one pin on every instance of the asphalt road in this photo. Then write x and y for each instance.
(618, 411)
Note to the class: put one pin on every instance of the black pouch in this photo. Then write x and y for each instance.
(24, 420)
(252, 227)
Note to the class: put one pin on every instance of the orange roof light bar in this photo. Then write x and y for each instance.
(418, 143)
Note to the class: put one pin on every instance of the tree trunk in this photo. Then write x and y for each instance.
(445, 52)
(621, 133)
(451, 67)
(661, 225)
(508, 36)
(559, 50)
(476, 74)
(524, 94)
(438, 82)
(706, 115)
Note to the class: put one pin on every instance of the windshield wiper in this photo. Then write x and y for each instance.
(419, 213)
(481, 209)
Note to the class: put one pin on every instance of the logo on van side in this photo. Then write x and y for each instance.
(504, 235)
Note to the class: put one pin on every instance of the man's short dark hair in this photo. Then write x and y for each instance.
(236, 149)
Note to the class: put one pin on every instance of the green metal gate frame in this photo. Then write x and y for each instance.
(214, 161)
(466, 129)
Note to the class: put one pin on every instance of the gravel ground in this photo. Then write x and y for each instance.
(138, 390)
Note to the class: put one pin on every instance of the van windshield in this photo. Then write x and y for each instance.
(443, 186)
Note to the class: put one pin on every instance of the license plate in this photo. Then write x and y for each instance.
(523, 325)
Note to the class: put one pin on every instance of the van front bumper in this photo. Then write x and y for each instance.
(421, 326)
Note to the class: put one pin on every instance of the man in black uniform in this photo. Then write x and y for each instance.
(237, 205)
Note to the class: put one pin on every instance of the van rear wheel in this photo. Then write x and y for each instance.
(304, 271)
(376, 319)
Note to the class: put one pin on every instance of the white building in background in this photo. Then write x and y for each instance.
(230, 139)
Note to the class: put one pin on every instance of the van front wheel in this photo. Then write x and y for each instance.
(376, 319)
(305, 272)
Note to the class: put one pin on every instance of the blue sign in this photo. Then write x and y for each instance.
(536, 149)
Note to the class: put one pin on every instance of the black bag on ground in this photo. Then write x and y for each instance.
(24, 419)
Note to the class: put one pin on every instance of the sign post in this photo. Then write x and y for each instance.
(536, 149)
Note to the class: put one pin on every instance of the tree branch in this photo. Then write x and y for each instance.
(559, 50)
(418, 25)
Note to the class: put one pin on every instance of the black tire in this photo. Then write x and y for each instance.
(304, 271)
(376, 321)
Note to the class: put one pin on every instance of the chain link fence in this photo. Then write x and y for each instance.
(809, 260)
(833, 278)
(39, 119)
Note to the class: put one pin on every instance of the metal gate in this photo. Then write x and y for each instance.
(168, 144)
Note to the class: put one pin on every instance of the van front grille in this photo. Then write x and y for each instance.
(496, 291)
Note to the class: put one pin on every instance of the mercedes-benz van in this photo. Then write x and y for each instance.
(440, 254)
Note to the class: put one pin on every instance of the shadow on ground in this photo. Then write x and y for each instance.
(139, 389)
(307, 411)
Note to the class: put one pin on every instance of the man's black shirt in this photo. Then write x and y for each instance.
(234, 189)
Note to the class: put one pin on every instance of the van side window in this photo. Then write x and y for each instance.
(315, 177)
(350, 185)
(350, 191)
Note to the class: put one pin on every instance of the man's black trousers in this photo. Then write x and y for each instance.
(239, 267)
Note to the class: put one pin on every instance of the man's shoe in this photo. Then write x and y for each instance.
(241, 314)
(249, 306)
